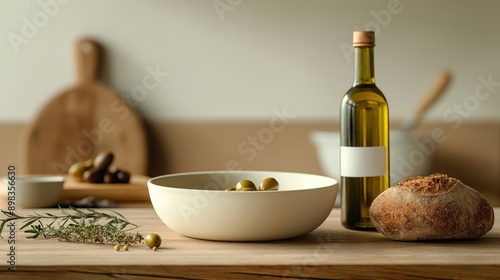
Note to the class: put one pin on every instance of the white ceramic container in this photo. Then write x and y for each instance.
(196, 205)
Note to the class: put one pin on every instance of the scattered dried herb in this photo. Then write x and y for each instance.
(78, 226)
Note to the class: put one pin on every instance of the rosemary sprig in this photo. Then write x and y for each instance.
(78, 226)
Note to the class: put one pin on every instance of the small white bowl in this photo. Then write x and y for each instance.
(34, 191)
(196, 205)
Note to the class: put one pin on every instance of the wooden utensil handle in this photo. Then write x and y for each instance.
(440, 84)
(87, 57)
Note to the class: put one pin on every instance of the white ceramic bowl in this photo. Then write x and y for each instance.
(35, 191)
(196, 205)
(409, 155)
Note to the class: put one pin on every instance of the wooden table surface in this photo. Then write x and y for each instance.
(329, 252)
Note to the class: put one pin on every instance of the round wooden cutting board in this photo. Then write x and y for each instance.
(83, 121)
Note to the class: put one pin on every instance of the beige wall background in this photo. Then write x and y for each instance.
(223, 67)
(240, 59)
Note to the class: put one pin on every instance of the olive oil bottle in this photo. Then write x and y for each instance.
(364, 138)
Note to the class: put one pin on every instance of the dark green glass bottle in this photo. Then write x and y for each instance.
(364, 138)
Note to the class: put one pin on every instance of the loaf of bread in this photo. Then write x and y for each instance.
(431, 208)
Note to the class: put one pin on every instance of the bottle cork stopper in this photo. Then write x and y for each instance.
(363, 39)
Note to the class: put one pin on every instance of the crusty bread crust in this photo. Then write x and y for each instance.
(436, 184)
(430, 208)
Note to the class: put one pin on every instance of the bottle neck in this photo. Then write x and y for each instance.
(364, 70)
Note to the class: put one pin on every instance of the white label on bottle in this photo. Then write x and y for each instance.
(362, 161)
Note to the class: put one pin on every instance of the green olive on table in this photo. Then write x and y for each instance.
(77, 169)
(269, 184)
(153, 241)
(89, 163)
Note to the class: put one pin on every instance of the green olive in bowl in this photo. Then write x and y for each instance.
(245, 185)
(269, 184)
